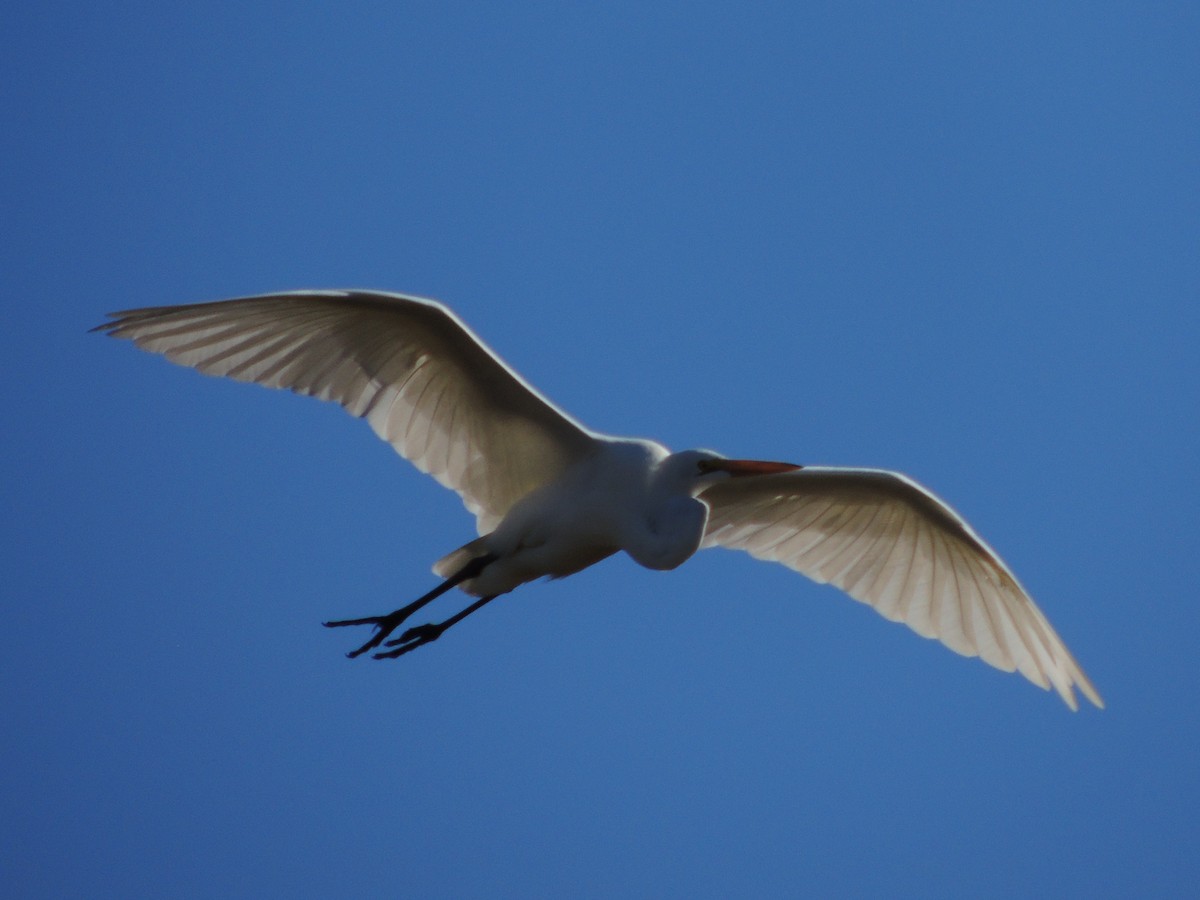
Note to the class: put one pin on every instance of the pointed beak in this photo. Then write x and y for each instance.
(741, 467)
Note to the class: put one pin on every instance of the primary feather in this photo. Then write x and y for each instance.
(889, 543)
(422, 379)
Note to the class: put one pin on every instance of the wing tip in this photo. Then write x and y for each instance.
(1088, 690)
(1069, 683)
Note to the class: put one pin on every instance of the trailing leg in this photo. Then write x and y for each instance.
(386, 624)
(424, 634)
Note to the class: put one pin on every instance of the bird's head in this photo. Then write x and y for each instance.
(740, 468)
(703, 468)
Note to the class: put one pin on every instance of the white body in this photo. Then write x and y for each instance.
(627, 494)
(551, 497)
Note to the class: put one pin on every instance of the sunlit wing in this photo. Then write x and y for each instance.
(889, 543)
(425, 383)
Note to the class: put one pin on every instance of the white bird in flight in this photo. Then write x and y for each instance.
(551, 497)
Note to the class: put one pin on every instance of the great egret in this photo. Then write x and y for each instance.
(551, 497)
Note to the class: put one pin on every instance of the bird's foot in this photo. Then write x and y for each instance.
(412, 639)
(384, 626)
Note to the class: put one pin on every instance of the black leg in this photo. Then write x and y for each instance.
(385, 625)
(424, 634)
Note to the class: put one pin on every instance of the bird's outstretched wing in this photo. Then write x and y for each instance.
(418, 375)
(888, 542)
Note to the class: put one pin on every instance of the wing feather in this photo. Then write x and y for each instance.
(891, 544)
(422, 380)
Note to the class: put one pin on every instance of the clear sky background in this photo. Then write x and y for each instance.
(957, 240)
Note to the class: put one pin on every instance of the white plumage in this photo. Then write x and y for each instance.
(551, 497)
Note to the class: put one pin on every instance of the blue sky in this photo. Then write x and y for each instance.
(957, 240)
